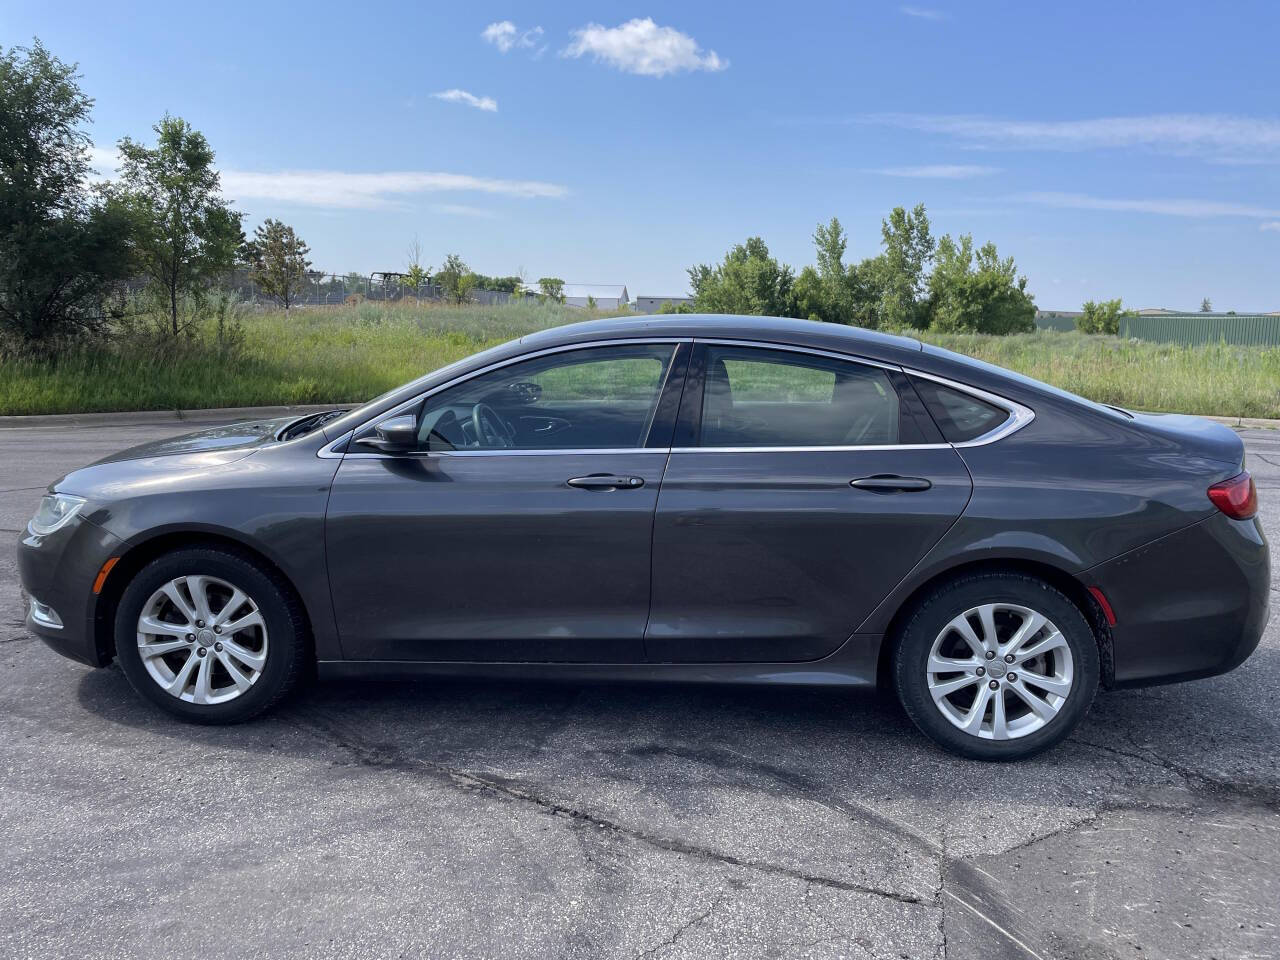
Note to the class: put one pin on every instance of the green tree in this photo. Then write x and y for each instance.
(977, 294)
(450, 275)
(1101, 317)
(415, 278)
(552, 288)
(466, 283)
(1206, 305)
(500, 284)
(669, 307)
(897, 276)
(749, 281)
(61, 250)
(277, 259)
(185, 235)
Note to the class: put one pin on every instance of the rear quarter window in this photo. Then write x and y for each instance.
(960, 416)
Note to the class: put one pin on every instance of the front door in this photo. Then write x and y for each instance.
(520, 528)
(800, 491)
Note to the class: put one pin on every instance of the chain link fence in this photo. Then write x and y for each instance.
(333, 289)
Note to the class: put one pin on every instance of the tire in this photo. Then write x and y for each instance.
(265, 648)
(1019, 717)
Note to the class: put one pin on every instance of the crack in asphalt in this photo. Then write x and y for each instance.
(1265, 796)
(370, 755)
(681, 930)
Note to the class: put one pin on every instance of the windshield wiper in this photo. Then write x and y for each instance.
(309, 423)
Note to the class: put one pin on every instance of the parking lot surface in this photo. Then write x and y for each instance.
(468, 819)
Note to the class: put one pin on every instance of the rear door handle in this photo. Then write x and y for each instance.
(602, 481)
(888, 483)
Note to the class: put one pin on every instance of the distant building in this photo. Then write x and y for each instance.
(607, 296)
(654, 304)
(1056, 319)
(1156, 312)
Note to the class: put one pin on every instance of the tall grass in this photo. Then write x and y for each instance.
(348, 354)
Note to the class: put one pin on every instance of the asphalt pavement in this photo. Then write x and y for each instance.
(495, 820)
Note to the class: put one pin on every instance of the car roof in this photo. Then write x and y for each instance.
(782, 330)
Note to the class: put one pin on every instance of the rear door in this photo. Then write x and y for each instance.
(801, 488)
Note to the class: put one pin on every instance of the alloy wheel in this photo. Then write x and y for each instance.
(1000, 671)
(202, 639)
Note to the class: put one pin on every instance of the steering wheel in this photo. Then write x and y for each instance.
(490, 430)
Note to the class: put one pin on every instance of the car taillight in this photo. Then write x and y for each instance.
(1237, 497)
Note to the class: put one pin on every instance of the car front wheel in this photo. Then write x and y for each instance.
(996, 666)
(209, 635)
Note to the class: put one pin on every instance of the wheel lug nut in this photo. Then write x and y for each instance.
(218, 647)
(200, 652)
(982, 671)
(191, 636)
(219, 630)
(994, 684)
(1013, 677)
(991, 655)
(199, 623)
(1008, 658)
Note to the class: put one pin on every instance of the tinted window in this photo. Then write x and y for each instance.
(601, 397)
(959, 415)
(777, 398)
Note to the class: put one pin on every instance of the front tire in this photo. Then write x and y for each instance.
(210, 636)
(996, 666)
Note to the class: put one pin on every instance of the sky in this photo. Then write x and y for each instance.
(1114, 149)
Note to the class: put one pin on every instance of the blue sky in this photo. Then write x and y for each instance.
(1115, 149)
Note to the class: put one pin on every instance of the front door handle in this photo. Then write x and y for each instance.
(888, 483)
(603, 481)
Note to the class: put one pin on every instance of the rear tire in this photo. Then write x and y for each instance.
(996, 666)
(209, 636)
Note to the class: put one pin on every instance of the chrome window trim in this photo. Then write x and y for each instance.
(1019, 415)
(328, 452)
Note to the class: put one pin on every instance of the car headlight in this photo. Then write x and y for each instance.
(54, 513)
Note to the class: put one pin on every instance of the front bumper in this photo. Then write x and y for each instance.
(59, 570)
(1192, 604)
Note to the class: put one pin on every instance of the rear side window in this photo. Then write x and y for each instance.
(959, 415)
(755, 397)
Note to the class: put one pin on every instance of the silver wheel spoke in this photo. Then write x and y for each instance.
(1039, 706)
(203, 686)
(1030, 627)
(939, 664)
(161, 629)
(942, 688)
(987, 617)
(1052, 642)
(244, 623)
(199, 589)
(1048, 684)
(961, 626)
(184, 606)
(971, 722)
(238, 600)
(999, 725)
(149, 650)
(183, 676)
(254, 661)
(225, 653)
(242, 680)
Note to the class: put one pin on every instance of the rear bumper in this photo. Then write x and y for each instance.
(59, 571)
(1192, 604)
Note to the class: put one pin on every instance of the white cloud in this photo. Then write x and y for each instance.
(506, 36)
(938, 171)
(1232, 137)
(1270, 225)
(924, 14)
(470, 99)
(1167, 207)
(642, 47)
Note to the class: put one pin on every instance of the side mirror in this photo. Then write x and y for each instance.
(396, 435)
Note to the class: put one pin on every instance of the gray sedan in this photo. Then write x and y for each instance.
(693, 498)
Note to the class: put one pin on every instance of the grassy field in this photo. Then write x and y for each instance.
(348, 354)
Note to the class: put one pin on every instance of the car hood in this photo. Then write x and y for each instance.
(225, 444)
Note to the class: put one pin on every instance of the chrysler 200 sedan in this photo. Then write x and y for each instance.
(697, 498)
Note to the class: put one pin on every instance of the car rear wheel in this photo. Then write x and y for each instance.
(209, 636)
(996, 666)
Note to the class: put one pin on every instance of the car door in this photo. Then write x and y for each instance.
(801, 488)
(519, 528)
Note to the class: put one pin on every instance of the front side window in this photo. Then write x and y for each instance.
(593, 398)
(756, 397)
